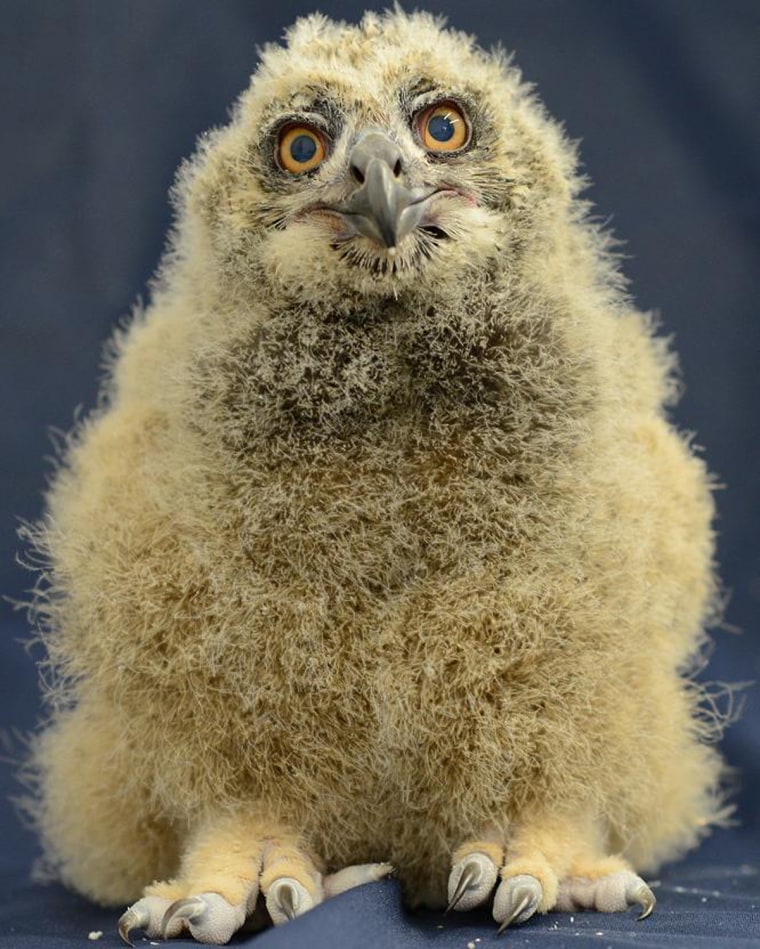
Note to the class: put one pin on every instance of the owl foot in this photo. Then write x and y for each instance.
(531, 885)
(211, 918)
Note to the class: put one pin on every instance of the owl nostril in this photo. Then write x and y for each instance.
(373, 154)
(358, 175)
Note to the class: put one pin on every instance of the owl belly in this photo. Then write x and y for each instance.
(383, 580)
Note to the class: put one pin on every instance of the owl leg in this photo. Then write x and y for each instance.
(227, 864)
(551, 864)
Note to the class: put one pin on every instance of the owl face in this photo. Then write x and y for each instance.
(371, 160)
(391, 197)
(384, 184)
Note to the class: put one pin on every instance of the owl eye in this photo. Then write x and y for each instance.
(300, 148)
(443, 128)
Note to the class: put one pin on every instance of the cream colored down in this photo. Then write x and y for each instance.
(389, 560)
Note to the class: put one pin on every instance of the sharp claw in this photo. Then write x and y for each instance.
(470, 874)
(286, 899)
(190, 908)
(130, 920)
(522, 904)
(646, 900)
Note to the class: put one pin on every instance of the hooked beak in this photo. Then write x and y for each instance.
(382, 207)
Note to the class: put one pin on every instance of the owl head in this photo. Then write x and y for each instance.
(374, 160)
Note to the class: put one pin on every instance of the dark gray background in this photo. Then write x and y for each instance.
(102, 99)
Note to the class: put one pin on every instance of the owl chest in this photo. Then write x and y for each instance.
(368, 528)
(362, 573)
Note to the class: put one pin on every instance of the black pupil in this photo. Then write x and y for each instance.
(441, 128)
(303, 148)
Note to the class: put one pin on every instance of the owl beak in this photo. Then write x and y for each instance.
(382, 207)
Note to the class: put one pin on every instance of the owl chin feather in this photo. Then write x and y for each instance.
(310, 259)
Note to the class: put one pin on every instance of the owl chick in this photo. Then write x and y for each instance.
(380, 549)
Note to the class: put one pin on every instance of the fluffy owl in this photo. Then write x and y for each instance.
(380, 550)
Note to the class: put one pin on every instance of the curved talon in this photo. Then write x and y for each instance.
(286, 899)
(132, 919)
(523, 903)
(471, 879)
(646, 900)
(190, 908)
(470, 875)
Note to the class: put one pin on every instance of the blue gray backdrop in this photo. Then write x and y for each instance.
(102, 99)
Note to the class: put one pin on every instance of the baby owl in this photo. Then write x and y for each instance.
(380, 551)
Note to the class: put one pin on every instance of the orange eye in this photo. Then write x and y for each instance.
(443, 128)
(301, 148)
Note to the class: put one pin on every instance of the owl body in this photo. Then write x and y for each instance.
(393, 546)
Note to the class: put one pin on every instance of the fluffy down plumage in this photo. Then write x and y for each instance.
(391, 550)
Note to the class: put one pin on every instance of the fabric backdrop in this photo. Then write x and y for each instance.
(102, 99)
